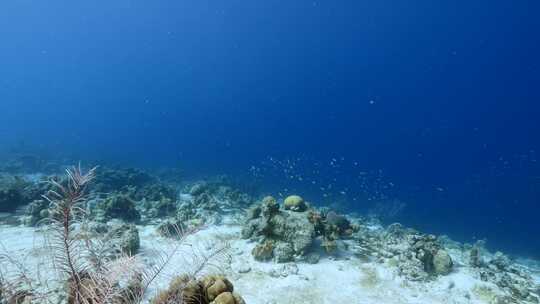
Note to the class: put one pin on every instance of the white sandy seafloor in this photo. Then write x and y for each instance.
(343, 280)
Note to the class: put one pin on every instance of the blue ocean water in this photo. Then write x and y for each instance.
(427, 111)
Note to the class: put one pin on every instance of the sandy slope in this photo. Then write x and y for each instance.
(346, 280)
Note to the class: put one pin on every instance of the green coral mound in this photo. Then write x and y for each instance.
(295, 203)
(120, 206)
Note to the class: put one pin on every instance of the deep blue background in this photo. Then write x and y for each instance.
(439, 98)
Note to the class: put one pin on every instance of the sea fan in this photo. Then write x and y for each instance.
(66, 212)
(93, 276)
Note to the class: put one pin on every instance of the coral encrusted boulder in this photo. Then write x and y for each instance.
(286, 234)
(442, 262)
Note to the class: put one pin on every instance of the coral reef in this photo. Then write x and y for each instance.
(92, 236)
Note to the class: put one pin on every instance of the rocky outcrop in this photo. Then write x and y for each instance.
(282, 235)
(418, 257)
